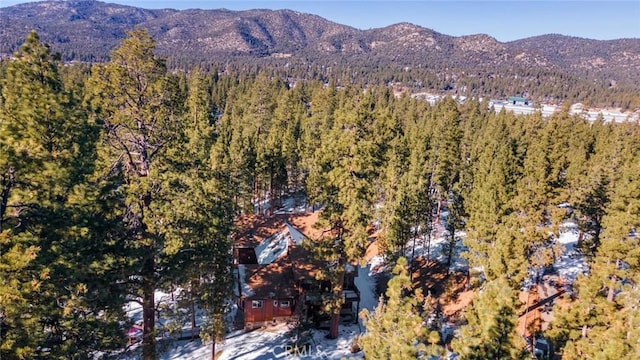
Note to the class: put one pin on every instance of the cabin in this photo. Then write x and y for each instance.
(269, 296)
(276, 281)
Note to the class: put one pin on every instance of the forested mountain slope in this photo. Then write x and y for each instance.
(549, 67)
(105, 200)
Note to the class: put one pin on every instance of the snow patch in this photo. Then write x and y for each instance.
(572, 262)
(289, 206)
(376, 264)
(367, 287)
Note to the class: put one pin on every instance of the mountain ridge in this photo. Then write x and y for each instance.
(87, 30)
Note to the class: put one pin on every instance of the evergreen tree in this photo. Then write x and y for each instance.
(343, 175)
(395, 329)
(491, 322)
(63, 299)
(490, 205)
(203, 214)
(446, 139)
(140, 127)
(419, 176)
(289, 114)
(538, 195)
(398, 200)
(603, 321)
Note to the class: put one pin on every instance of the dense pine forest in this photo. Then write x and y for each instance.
(123, 178)
(552, 68)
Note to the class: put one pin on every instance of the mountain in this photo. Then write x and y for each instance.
(88, 30)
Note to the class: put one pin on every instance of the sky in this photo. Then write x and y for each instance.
(504, 20)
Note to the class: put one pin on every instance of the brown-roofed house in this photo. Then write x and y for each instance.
(277, 281)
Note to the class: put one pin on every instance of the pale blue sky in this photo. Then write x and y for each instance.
(504, 20)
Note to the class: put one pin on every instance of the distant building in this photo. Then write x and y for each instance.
(516, 100)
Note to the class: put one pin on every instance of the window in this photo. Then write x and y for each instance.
(284, 304)
(275, 303)
(256, 304)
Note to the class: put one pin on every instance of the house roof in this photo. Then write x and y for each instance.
(280, 278)
(275, 280)
(246, 255)
(304, 264)
(251, 230)
(279, 262)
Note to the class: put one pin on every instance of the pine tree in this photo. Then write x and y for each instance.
(491, 322)
(399, 202)
(343, 175)
(289, 114)
(490, 205)
(538, 194)
(203, 214)
(420, 176)
(446, 140)
(65, 298)
(603, 321)
(140, 127)
(395, 329)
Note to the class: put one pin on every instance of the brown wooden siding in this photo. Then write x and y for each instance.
(268, 311)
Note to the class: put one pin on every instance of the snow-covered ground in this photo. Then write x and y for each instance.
(277, 342)
(173, 322)
(289, 206)
(572, 262)
(437, 248)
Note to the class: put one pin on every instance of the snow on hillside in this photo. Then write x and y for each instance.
(289, 206)
(438, 250)
(173, 322)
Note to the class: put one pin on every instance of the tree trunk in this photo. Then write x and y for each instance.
(335, 324)
(193, 315)
(271, 195)
(413, 254)
(335, 316)
(256, 194)
(452, 244)
(428, 243)
(213, 347)
(148, 310)
(596, 236)
(7, 184)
